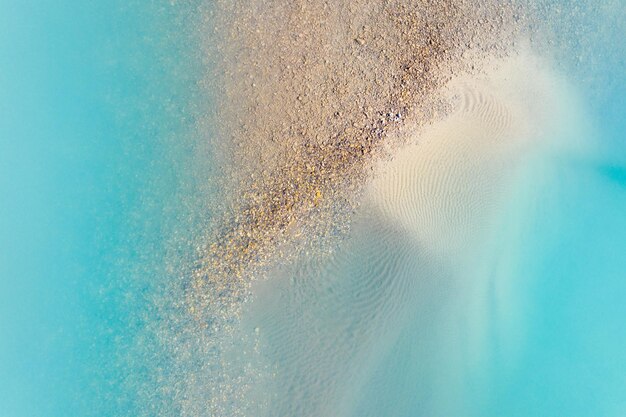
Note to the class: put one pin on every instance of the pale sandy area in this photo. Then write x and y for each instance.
(419, 256)
(446, 185)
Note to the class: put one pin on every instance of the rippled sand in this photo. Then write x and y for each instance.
(364, 148)
(313, 94)
(326, 325)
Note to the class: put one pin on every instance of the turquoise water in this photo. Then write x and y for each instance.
(574, 360)
(94, 116)
(100, 178)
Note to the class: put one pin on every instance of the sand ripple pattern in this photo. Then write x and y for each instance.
(327, 326)
(443, 188)
(326, 317)
(491, 111)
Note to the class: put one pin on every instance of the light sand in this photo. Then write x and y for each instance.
(313, 93)
(444, 187)
(312, 99)
(413, 257)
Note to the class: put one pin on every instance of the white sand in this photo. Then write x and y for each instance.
(444, 188)
(415, 261)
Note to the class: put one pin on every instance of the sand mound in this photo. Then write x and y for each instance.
(326, 325)
(443, 187)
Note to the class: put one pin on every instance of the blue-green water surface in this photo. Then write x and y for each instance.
(96, 135)
(94, 112)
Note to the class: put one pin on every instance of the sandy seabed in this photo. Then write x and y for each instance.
(414, 261)
(367, 150)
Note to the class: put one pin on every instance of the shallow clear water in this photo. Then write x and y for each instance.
(100, 181)
(92, 140)
(474, 288)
